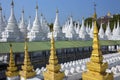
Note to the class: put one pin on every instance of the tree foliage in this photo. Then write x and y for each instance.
(112, 20)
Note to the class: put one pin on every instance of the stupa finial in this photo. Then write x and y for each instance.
(12, 3)
(95, 15)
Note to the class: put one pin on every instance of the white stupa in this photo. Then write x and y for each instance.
(22, 25)
(12, 32)
(2, 23)
(56, 26)
(116, 33)
(91, 30)
(114, 28)
(57, 30)
(4, 20)
(29, 26)
(41, 20)
(75, 26)
(108, 32)
(87, 28)
(118, 28)
(18, 22)
(36, 32)
(45, 27)
(71, 33)
(78, 27)
(65, 27)
(101, 33)
(82, 33)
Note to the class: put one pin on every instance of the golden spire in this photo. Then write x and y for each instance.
(53, 68)
(27, 68)
(12, 69)
(95, 15)
(96, 66)
(109, 14)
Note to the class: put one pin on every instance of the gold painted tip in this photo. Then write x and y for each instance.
(25, 38)
(10, 45)
(109, 14)
(11, 51)
(95, 15)
(52, 39)
(95, 27)
(26, 46)
(52, 36)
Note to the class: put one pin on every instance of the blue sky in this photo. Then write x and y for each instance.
(76, 8)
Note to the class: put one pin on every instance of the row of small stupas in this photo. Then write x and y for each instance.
(12, 31)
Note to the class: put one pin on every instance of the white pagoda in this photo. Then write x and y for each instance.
(116, 33)
(91, 30)
(2, 23)
(114, 29)
(65, 26)
(29, 26)
(87, 28)
(71, 33)
(12, 32)
(108, 32)
(45, 27)
(82, 33)
(101, 33)
(57, 30)
(78, 27)
(22, 25)
(35, 33)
